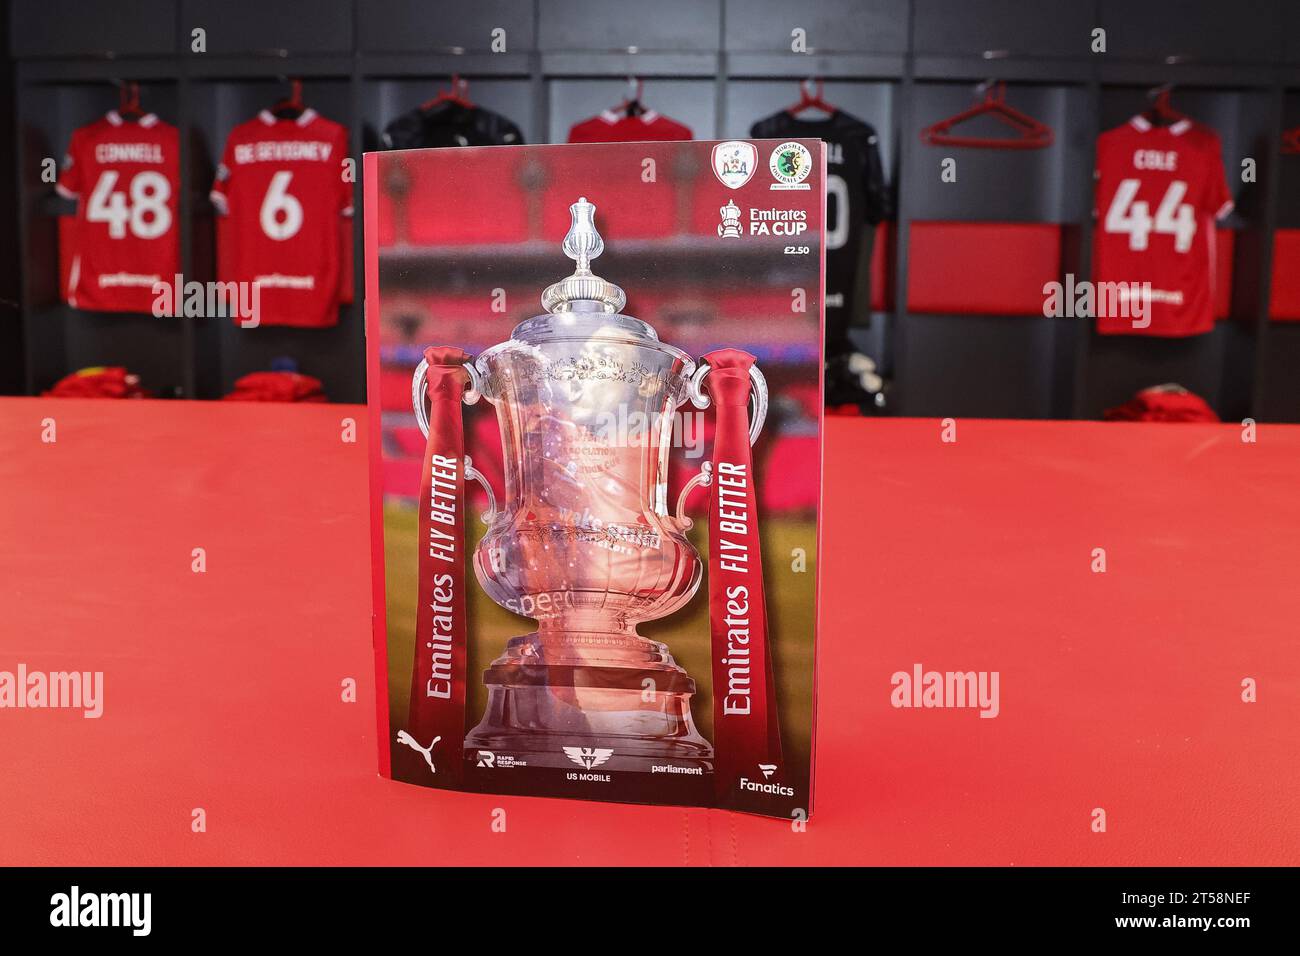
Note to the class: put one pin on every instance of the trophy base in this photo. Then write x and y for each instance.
(587, 705)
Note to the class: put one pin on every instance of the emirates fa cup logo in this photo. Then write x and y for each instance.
(730, 228)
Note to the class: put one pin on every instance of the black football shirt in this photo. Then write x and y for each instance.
(856, 199)
(448, 123)
(444, 123)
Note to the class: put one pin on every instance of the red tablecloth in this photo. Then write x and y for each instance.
(223, 689)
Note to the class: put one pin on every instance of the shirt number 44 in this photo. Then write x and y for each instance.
(1128, 214)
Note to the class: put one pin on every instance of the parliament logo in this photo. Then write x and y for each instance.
(790, 164)
(734, 163)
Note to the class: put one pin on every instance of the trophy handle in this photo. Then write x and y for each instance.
(472, 395)
(472, 472)
(757, 395)
(700, 399)
(701, 480)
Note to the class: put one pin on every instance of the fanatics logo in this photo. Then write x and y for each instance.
(730, 228)
(776, 789)
(589, 757)
(734, 163)
(790, 164)
(768, 769)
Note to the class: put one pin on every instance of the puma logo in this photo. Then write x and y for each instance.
(404, 738)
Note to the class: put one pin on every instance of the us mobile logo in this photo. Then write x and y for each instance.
(588, 757)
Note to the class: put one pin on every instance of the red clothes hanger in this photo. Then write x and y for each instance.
(458, 94)
(128, 101)
(291, 107)
(1161, 113)
(1030, 133)
(631, 106)
(810, 98)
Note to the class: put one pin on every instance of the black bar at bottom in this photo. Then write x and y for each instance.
(749, 907)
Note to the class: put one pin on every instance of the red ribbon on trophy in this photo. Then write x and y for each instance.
(747, 737)
(437, 708)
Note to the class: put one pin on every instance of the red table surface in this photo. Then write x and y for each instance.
(223, 689)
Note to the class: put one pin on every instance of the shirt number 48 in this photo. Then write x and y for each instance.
(146, 216)
(1133, 216)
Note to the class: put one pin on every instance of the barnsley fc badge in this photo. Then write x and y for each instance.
(734, 162)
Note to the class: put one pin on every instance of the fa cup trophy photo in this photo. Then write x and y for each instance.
(589, 539)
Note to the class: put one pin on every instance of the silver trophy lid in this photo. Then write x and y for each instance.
(583, 291)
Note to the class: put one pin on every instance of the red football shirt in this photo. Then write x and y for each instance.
(281, 186)
(611, 127)
(125, 176)
(1159, 191)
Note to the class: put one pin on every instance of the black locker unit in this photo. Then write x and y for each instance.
(1277, 394)
(717, 65)
(12, 371)
(330, 354)
(860, 56)
(1014, 358)
(1119, 365)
